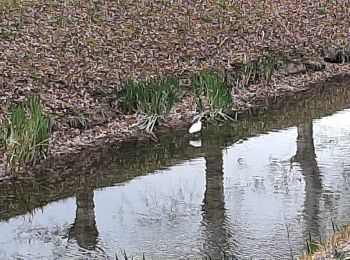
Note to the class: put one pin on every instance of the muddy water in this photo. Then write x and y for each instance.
(258, 189)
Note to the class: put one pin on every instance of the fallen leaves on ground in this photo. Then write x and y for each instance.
(75, 54)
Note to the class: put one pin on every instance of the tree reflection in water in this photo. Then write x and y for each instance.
(306, 157)
(84, 228)
(213, 209)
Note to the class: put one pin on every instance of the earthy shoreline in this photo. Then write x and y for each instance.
(252, 102)
(108, 163)
(75, 54)
(87, 175)
(62, 145)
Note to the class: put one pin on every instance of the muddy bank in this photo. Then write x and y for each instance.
(255, 99)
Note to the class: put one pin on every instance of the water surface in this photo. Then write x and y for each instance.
(258, 189)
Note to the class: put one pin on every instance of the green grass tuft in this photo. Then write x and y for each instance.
(152, 97)
(259, 70)
(155, 98)
(210, 86)
(24, 137)
(312, 246)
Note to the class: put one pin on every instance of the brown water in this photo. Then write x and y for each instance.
(257, 189)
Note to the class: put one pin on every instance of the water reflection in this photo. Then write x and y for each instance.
(213, 208)
(84, 229)
(306, 158)
(196, 143)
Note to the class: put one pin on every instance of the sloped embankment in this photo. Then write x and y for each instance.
(75, 54)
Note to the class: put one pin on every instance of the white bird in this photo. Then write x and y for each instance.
(196, 127)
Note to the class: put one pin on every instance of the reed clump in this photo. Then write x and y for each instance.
(155, 98)
(259, 70)
(210, 87)
(24, 137)
(212, 95)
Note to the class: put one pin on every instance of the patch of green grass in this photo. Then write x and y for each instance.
(224, 4)
(24, 137)
(207, 19)
(212, 95)
(155, 98)
(269, 68)
(259, 70)
(152, 97)
(323, 10)
(211, 86)
(312, 246)
(182, 26)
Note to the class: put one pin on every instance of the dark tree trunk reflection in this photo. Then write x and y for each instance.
(306, 157)
(213, 210)
(84, 228)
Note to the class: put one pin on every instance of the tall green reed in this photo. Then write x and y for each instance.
(259, 70)
(211, 87)
(25, 135)
(155, 98)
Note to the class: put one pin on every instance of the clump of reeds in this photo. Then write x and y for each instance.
(259, 70)
(211, 85)
(212, 94)
(24, 136)
(155, 98)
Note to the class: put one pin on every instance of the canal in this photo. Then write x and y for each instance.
(259, 189)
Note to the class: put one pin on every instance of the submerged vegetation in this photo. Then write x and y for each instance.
(24, 136)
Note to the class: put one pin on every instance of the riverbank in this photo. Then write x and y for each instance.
(76, 54)
(114, 166)
(257, 99)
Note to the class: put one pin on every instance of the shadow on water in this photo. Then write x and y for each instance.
(117, 164)
(306, 157)
(213, 209)
(84, 229)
